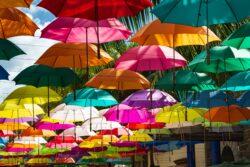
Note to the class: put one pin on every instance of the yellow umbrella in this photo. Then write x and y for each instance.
(173, 35)
(14, 126)
(179, 113)
(11, 161)
(137, 137)
(33, 95)
(92, 144)
(15, 3)
(40, 161)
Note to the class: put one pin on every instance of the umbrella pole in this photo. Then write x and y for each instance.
(207, 44)
(48, 107)
(87, 56)
(97, 32)
(74, 67)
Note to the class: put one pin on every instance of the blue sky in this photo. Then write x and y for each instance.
(39, 15)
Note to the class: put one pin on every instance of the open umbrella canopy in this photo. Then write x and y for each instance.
(208, 99)
(70, 113)
(52, 124)
(172, 35)
(240, 38)
(30, 140)
(33, 161)
(15, 3)
(44, 151)
(38, 132)
(73, 55)
(116, 131)
(185, 80)
(244, 99)
(46, 76)
(137, 137)
(150, 58)
(88, 97)
(125, 114)
(200, 13)
(15, 23)
(163, 131)
(9, 50)
(78, 131)
(68, 30)
(3, 74)
(228, 114)
(95, 10)
(32, 95)
(142, 98)
(238, 82)
(100, 123)
(222, 59)
(179, 113)
(119, 80)
(6, 88)
(13, 126)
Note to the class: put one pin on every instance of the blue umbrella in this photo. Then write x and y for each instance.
(244, 99)
(3, 74)
(209, 99)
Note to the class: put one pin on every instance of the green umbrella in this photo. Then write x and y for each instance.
(186, 80)
(9, 50)
(239, 39)
(238, 82)
(202, 12)
(45, 151)
(222, 59)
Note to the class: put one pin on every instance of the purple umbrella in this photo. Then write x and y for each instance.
(142, 98)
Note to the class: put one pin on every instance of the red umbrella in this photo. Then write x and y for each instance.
(95, 9)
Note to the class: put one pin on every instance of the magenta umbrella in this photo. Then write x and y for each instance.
(125, 114)
(54, 126)
(150, 58)
(69, 30)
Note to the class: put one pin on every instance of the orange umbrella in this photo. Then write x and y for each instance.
(15, 23)
(173, 35)
(38, 132)
(15, 3)
(73, 55)
(13, 126)
(119, 80)
(228, 114)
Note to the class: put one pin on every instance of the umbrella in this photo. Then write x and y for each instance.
(116, 131)
(65, 139)
(222, 59)
(172, 35)
(73, 55)
(7, 87)
(101, 124)
(199, 13)
(6, 133)
(95, 10)
(141, 98)
(68, 30)
(19, 147)
(44, 151)
(163, 131)
(30, 140)
(125, 114)
(150, 58)
(3, 74)
(137, 137)
(9, 50)
(89, 97)
(63, 146)
(38, 132)
(13, 126)
(229, 114)
(207, 99)
(119, 80)
(178, 114)
(244, 99)
(15, 3)
(39, 161)
(185, 80)
(15, 23)
(70, 113)
(238, 82)
(78, 131)
(65, 160)
(240, 38)
(138, 126)
(52, 124)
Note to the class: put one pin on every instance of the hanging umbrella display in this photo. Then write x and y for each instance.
(101, 124)
(163, 131)
(69, 30)
(3, 74)
(141, 98)
(200, 13)
(119, 80)
(52, 124)
(44, 151)
(9, 50)
(138, 126)
(137, 137)
(89, 97)
(179, 113)
(39, 161)
(70, 113)
(222, 59)
(238, 82)
(125, 114)
(13, 126)
(78, 131)
(208, 99)
(6, 133)
(38, 132)
(172, 35)
(15, 23)
(150, 58)
(244, 99)
(240, 38)
(116, 132)
(30, 140)
(15, 3)
(19, 147)
(229, 114)
(186, 80)
(95, 10)
(6, 88)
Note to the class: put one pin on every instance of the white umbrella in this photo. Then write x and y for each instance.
(6, 88)
(70, 113)
(101, 124)
(30, 140)
(78, 131)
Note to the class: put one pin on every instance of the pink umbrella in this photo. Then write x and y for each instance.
(150, 58)
(54, 126)
(125, 114)
(69, 30)
(61, 145)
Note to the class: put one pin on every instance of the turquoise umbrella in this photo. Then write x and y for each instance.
(186, 80)
(202, 12)
(238, 82)
(222, 59)
(8, 50)
(240, 38)
(89, 97)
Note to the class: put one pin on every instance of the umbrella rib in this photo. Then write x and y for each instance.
(173, 7)
(197, 23)
(230, 7)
